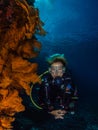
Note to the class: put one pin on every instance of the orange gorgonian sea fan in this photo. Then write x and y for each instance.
(18, 24)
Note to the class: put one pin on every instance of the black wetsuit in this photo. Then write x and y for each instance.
(56, 93)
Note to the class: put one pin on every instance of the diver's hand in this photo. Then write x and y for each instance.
(58, 114)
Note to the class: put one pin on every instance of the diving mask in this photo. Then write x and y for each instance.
(57, 70)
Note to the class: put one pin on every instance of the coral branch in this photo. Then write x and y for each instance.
(18, 24)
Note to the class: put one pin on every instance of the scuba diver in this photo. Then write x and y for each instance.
(57, 94)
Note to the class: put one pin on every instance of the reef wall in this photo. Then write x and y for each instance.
(18, 24)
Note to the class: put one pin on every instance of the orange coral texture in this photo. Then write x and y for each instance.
(18, 24)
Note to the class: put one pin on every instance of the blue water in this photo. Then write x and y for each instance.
(72, 29)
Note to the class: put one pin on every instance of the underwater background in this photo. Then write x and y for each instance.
(72, 30)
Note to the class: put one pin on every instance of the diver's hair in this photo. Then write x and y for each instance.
(59, 60)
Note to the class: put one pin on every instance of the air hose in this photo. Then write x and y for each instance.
(32, 86)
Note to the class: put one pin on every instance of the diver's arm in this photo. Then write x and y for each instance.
(70, 85)
(41, 95)
(44, 95)
(70, 94)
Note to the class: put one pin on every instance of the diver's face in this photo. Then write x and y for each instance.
(57, 69)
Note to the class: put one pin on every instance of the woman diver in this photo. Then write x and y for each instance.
(57, 92)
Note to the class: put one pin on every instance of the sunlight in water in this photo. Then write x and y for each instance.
(43, 3)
